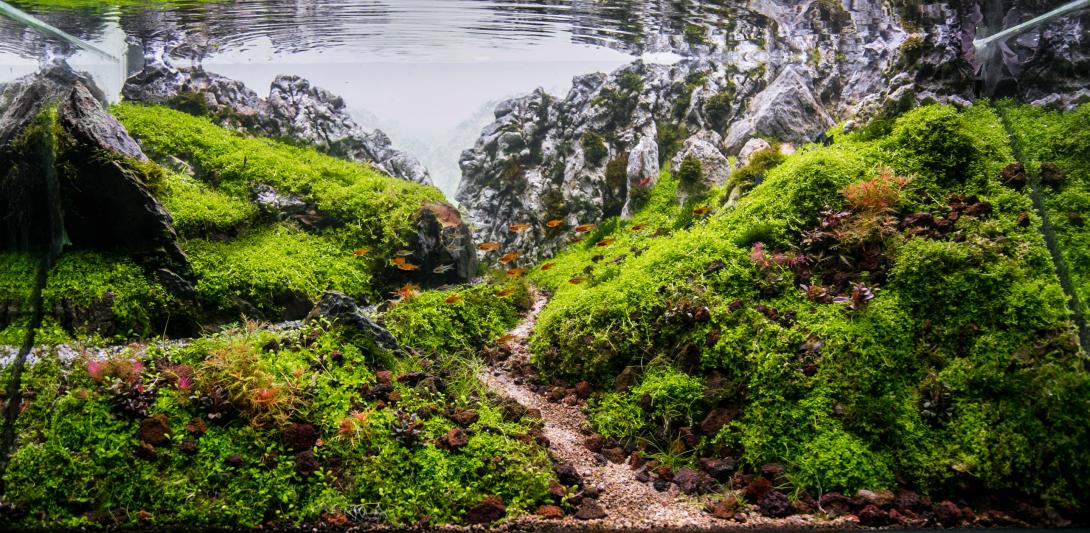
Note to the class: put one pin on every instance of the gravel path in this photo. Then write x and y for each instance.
(628, 503)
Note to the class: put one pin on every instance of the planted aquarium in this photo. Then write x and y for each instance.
(603, 265)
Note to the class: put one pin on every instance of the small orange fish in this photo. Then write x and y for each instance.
(583, 228)
(452, 299)
(407, 290)
(518, 228)
(605, 242)
(554, 223)
(548, 266)
(505, 293)
(515, 272)
(645, 181)
(488, 246)
(508, 257)
(398, 261)
(505, 339)
(701, 211)
(406, 266)
(574, 240)
(360, 252)
(576, 280)
(639, 227)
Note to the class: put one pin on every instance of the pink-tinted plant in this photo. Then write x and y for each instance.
(97, 369)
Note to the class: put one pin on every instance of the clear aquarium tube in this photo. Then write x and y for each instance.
(1019, 29)
(18, 15)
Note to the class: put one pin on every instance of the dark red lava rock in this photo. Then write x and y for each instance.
(906, 500)
(411, 378)
(188, 446)
(979, 209)
(456, 438)
(1023, 219)
(687, 436)
(947, 513)
(299, 437)
(702, 314)
(775, 504)
(593, 443)
(196, 426)
(757, 489)
(384, 376)
(1014, 176)
(465, 417)
(556, 394)
(719, 469)
(836, 503)
(1076, 219)
(614, 455)
(550, 512)
(873, 516)
(583, 390)
(716, 419)
(692, 482)
(306, 463)
(723, 509)
(154, 431)
(882, 498)
(393, 396)
(590, 510)
(489, 510)
(568, 475)
(660, 484)
(636, 460)
(1052, 175)
(235, 461)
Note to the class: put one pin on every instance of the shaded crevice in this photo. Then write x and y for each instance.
(1051, 241)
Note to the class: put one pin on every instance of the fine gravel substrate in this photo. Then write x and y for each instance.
(628, 503)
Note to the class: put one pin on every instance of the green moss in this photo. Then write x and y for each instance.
(199, 210)
(953, 373)
(475, 317)
(268, 264)
(594, 147)
(372, 210)
(690, 172)
(78, 461)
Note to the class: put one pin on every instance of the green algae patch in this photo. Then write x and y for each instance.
(200, 210)
(255, 427)
(878, 313)
(270, 264)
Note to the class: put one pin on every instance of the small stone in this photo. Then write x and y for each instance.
(1014, 176)
(614, 455)
(593, 443)
(590, 510)
(299, 437)
(636, 460)
(661, 485)
(757, 489)
(775, 504)
(719, 469)
(947, 513)
(872, 516)
(456, 438)
(583, 390)
(773, 471)
(1052, 175)
(723, 509)
(188, 446)
(196, 426)
(691, 482)
(155, 430)
(568, 475)
(556, 394)
(411, 378)
(384, 376)
(550, 512)
(716, 419)
(881, 498)
(465, 417)
(306, 464)
(234, 461)
(626, 379)
(489, 510)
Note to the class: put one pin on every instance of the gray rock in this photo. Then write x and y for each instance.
(751, 147)
(715, 168)
(786, 110)
(344, 311)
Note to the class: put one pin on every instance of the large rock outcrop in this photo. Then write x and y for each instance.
(781, 70)
(83, 186)
(294, 109)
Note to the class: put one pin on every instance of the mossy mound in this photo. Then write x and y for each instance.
(254, 426)
(878, 313)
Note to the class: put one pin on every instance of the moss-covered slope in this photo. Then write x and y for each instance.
(877, 313)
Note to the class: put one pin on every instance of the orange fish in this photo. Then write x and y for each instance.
(574, 240)
(639, 227)
(452, 299)
(548, 266)
(508, 257)
(505, 339)
(505, 293)
(645, 181)
(515, 272)
(554, 223)
(407, 290)
(605, 242)
(398, 260)
(488, 246)
(701, 211)
(406, 266)
(576, 280)
(359, 252)
(583, 228)
(518, 228)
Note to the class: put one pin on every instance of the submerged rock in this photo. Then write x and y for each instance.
(294, 109)
(343, 310)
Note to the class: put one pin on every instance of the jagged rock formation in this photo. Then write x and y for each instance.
(84, 189)
(781, 70)
(294, 108)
